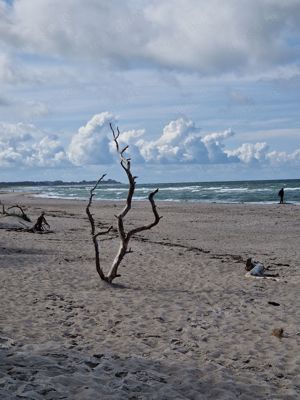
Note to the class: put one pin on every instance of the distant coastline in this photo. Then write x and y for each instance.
(55, 183)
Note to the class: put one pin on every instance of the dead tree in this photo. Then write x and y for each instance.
(123, 235)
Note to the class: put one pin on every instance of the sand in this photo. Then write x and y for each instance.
(183, 321)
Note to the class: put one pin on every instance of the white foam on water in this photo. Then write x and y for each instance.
(176, 189)
(99, 189)
(225, 190)
(237, 192)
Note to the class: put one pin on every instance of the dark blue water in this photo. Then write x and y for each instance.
(220, 192)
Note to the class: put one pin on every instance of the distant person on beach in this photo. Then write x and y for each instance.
(281, 195)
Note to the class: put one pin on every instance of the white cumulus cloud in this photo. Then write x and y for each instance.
(48, 152)
(180, 142)
(90, 145)
(250, 153)
(214, 143)
(23, 145)
(282, 157)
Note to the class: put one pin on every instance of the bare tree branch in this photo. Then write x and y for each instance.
(157, 218)
(93, 230)
(104, 232)
(124, 237)
(23, 214)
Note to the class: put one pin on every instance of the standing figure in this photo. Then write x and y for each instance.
(281, 195)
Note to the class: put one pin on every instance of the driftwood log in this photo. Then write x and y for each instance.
(41, 225)
(123, 235)
(22, 215)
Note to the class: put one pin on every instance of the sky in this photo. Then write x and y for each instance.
(200, 90)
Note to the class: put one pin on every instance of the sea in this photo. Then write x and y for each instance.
(263, 191)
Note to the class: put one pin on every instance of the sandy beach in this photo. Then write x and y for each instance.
(182, 322)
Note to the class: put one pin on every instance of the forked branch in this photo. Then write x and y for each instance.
(123, 235)
(22, 215)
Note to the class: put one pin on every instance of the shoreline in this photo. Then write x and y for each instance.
(242, 192)
(34, 195)
(182, 322)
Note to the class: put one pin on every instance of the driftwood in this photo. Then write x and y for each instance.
(93, 230)
(22, 215)
(41, 224)
(123, 235)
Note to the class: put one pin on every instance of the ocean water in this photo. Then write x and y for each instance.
(208, 192)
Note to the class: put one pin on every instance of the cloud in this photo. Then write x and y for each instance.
(284, 158)
(180, 143)
(15, 71)
(130, 138)
(11, 133)
(236, 37)
(8, 73)
(32, 109)
(48, 152)
(250, 153)
(23, 145)
(215, 147)
(90, 145)
(109, 32)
